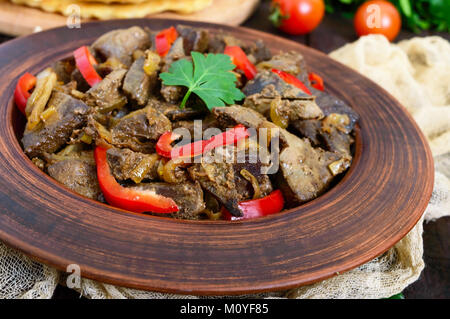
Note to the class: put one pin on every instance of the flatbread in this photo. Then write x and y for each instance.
(116, 10)
(119, 1)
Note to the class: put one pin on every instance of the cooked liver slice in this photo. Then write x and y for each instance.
(121, 44)
(187, 196)
(77, 174)
(140, 130)
(71, 115)
(304, 172)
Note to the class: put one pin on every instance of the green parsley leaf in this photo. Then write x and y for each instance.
(209, 77)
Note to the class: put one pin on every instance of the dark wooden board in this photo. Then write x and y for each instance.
(434, 281)
(374, 206)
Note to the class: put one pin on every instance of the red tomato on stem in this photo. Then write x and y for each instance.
(378, 17)
(297, 16)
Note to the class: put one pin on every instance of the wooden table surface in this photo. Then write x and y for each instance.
(334, 32)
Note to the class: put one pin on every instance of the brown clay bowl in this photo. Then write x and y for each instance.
(377, 202)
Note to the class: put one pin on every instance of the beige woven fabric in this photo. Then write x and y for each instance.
(20, 277)
(417, 73)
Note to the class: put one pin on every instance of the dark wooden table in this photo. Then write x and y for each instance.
(333, 33)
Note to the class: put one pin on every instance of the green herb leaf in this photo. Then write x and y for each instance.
(397, 296)
(405, 5)
(209, 77)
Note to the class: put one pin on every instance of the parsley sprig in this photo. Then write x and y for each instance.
(209, 77)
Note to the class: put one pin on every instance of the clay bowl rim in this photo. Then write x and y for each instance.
(322, 199)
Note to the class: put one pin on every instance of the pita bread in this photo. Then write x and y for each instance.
(116, 10)
(119, 1)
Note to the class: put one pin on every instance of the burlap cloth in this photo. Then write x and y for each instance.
(417, 73)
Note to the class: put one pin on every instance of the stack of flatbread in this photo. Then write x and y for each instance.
(111, 9)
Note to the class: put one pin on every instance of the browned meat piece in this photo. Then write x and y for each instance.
(305, 172)
(216, 44)
(208, 122)
(309, 129)
(265, 78)
(67, 88)
(64, 69)
(79, 175)
(188, 125)
(173, 112)
(172, 93)
(232, 115)
(137, 83)
(175, 53)
(111, 64)
(184, 114)
(339, 142)
(107, 95)
(218, 179)
(218, 41)
(121, 44)
(71, 114)
(333, 133)
(187, 196)
(96, 129)
(243, 185)
(126, 164)
(291, 62)
(195, 39)
(331, 104)
(269, 101)
(258, 52)
(82, 85)
(140, 130)
(221, 176)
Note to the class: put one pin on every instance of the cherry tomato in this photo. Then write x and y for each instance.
(297, 16)
(378, 17)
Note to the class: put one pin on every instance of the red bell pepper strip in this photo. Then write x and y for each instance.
(240, 60)
(289, 78)
(164, 40)
(85, 63)
(271, 204)
(231, 136)
(135, 200)
(21, 94)
(316, 81)
(165, 149)
(164, 144)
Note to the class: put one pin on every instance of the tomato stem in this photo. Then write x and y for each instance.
(276, 16)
